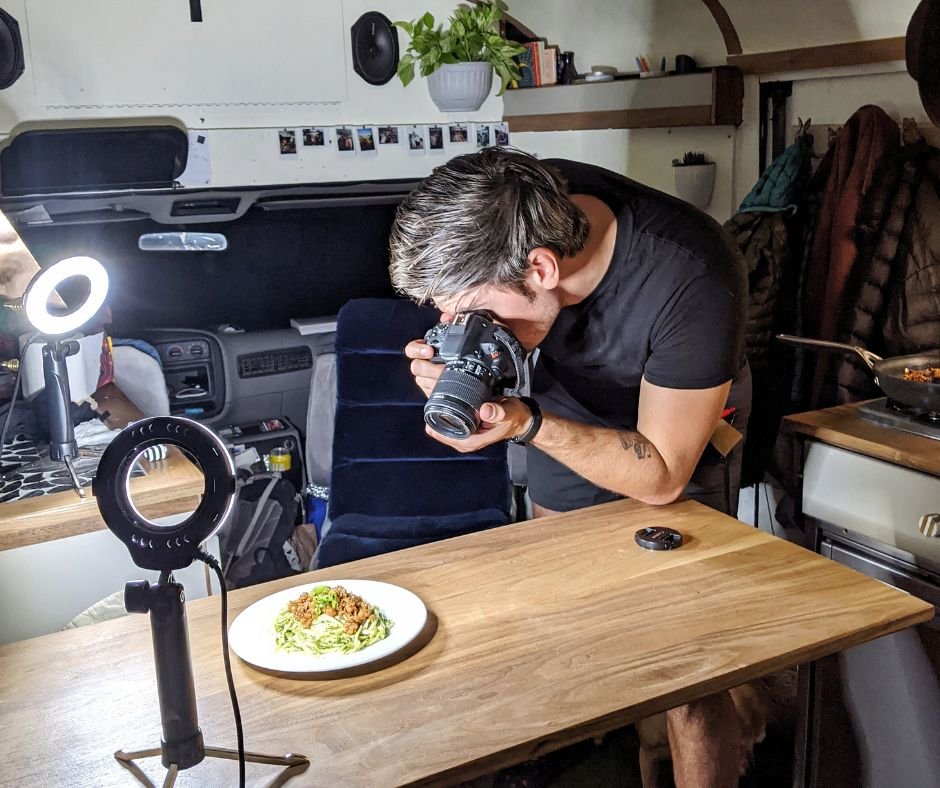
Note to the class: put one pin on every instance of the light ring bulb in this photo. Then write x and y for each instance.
(36, 300)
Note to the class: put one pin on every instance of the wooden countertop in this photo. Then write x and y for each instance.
(171, 486)
(842, 426)
(548, 632)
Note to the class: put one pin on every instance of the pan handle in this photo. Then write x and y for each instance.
(870, 358)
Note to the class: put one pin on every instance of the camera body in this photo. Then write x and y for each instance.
(482, 361)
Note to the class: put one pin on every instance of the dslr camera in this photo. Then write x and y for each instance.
(482, 361)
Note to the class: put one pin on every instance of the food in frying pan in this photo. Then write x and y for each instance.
(925, 375)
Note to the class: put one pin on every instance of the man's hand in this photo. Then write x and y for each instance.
(425, 372)
(500, 421)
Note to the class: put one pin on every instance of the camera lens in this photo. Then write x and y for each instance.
(453, 409)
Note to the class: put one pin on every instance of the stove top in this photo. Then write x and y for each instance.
(888, 413)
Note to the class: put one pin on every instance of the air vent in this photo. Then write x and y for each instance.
(274, 362)
(223, 206)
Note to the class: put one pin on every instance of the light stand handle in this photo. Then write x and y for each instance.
(182, 742)
(55, 371)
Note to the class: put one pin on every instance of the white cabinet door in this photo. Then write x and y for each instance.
(97, 53)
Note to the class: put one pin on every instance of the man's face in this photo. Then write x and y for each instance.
(529, 320)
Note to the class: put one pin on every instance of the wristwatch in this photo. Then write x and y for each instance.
(530, 433)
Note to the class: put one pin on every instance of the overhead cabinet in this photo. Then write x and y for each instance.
(138, 53)
(713, 97)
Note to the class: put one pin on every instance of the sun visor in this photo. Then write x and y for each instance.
(57, 161)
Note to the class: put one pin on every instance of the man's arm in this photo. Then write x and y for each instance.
(652, 464)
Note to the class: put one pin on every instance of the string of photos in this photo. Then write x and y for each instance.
(371, 140)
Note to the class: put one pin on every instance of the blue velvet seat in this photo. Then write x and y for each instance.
(392, 485)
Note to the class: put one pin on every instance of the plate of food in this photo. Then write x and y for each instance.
(327, 626)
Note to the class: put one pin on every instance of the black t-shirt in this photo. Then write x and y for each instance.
(670, 308)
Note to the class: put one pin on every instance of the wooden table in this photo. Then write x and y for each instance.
(549, 632)
(172, 486)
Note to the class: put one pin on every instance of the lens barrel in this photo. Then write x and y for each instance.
(453, 409)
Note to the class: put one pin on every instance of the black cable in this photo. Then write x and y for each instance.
(210, 560)
(16, 389)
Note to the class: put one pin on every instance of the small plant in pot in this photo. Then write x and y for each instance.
(459, 60)
(694, 178)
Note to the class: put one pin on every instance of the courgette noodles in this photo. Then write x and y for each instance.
(329, 620)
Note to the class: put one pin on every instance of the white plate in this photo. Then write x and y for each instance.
(251, 634)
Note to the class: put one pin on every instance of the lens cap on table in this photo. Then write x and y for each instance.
(658, 538)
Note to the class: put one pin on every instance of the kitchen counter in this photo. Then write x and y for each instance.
(842, 426)
(548, 632)
(170, 487)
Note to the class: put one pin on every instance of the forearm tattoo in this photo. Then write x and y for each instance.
(635, 441)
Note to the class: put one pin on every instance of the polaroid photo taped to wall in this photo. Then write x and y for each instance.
(484, 138)
(388, 135)
(315, 137)
(435, 139)
(500, 133)
(345, 142)
(416, 142)
(458, 133)
(365, 140)
(287, 142)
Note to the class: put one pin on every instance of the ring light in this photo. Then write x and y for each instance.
(154, 546)
(36, 300)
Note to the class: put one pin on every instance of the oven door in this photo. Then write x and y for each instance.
(875, 709)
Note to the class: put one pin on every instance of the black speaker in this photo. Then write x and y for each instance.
(374, 48)
(12, 64)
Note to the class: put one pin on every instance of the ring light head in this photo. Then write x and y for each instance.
(154, 546)
(36, 300)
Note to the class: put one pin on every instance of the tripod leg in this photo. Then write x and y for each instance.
(170, 778)
(294, 764)
(126, 759)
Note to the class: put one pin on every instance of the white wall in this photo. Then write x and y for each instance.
(243, 137)
(243, 140)
(612, 32)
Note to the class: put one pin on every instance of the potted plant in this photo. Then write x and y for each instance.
(694, 178)
(459, 60)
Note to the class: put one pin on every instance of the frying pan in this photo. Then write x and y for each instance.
(889, 372)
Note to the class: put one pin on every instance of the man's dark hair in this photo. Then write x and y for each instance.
(474, 221)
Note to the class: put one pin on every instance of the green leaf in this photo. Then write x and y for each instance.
(406, 72)
(406, 26)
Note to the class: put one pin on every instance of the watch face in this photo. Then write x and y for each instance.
(375, 48)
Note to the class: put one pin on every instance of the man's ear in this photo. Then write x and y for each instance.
(544, 269)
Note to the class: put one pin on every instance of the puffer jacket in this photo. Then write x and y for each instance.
(765, 230)
(893, 303)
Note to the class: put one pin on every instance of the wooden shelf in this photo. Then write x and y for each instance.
(854, 53)
(706, 98)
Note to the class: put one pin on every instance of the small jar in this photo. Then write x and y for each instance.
(568, 73)
(279, 460)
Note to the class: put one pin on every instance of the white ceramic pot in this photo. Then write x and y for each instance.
(694, 183)
(460, 87)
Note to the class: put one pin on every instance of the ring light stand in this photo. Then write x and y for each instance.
(55, 353)
(153, 546)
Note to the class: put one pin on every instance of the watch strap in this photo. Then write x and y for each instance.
(534, 427)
